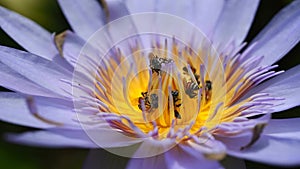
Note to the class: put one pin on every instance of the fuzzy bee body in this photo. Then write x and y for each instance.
(208, 88)
(149, 102)
(191, 89)
(157, 62)
(177, 114)
(145, 102)
(208, 85)
(154, 101)
(175, 95)
(197, 77)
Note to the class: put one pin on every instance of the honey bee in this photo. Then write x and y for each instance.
(197, 77)
(156, 62)
(154, 101)
(175, 95)
(150, 102)
(191, 88)
(208, 85)
(208, 88)
(177, 114)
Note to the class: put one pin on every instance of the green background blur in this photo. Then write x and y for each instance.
(48, 14)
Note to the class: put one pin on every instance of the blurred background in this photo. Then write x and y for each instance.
(48, 14)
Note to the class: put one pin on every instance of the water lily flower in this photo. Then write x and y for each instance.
(171, 86)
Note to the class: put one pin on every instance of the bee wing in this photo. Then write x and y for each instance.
(185, 83)
(151, 55)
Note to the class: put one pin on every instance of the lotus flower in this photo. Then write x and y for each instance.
(169, 85)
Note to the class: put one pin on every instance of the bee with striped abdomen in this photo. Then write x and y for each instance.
(149, 102)
(208, 88)
(191, 89)
(197, 77)
(157, 62)
(175, 95)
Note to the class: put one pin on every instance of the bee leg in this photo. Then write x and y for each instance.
(140, 107)
(177, 115)
(175, 100)
(144, 94)
(177, 105)
(192, 95)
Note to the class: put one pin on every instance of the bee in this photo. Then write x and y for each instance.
(154, 101)
(150, 102)
(208, 88)
(191, 89)
(144, 100)
(197, 77)
(208, 85)
(177, 114)
(175, 95)
(156, 62)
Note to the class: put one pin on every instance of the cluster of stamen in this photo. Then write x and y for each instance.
(174, 92)
(148, 102)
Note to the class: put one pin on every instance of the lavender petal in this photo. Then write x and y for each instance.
(15, 81)
(72, 47)
(285, 86)
(28, 34)
(202, 13)
(272, 150)
(276, 39)
(14, 109)
(53, 138)
(84, 16)
(282, 126)
(37, 69)
(234, 22)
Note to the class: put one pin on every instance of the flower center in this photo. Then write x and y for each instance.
(160, 88)
(172, 88)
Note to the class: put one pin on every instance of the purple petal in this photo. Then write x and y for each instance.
(234, 21)
(75, 137)
(109, 138)
(178, 158)
(37, 69)
(210, 147)
(272, 150)
(151, 147)
(12, 80)
(62, 62)
(136, 6)
(285, 86)
(72, 47)
(286, 135)
(202, 13)
(205, 14)
(237, 141)
(14, 109)
(116, 9)
(28, 34)
(54, 138)
(282, 126)
(279, 36)
(236, 135)
(84, 16)
(99, 158)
